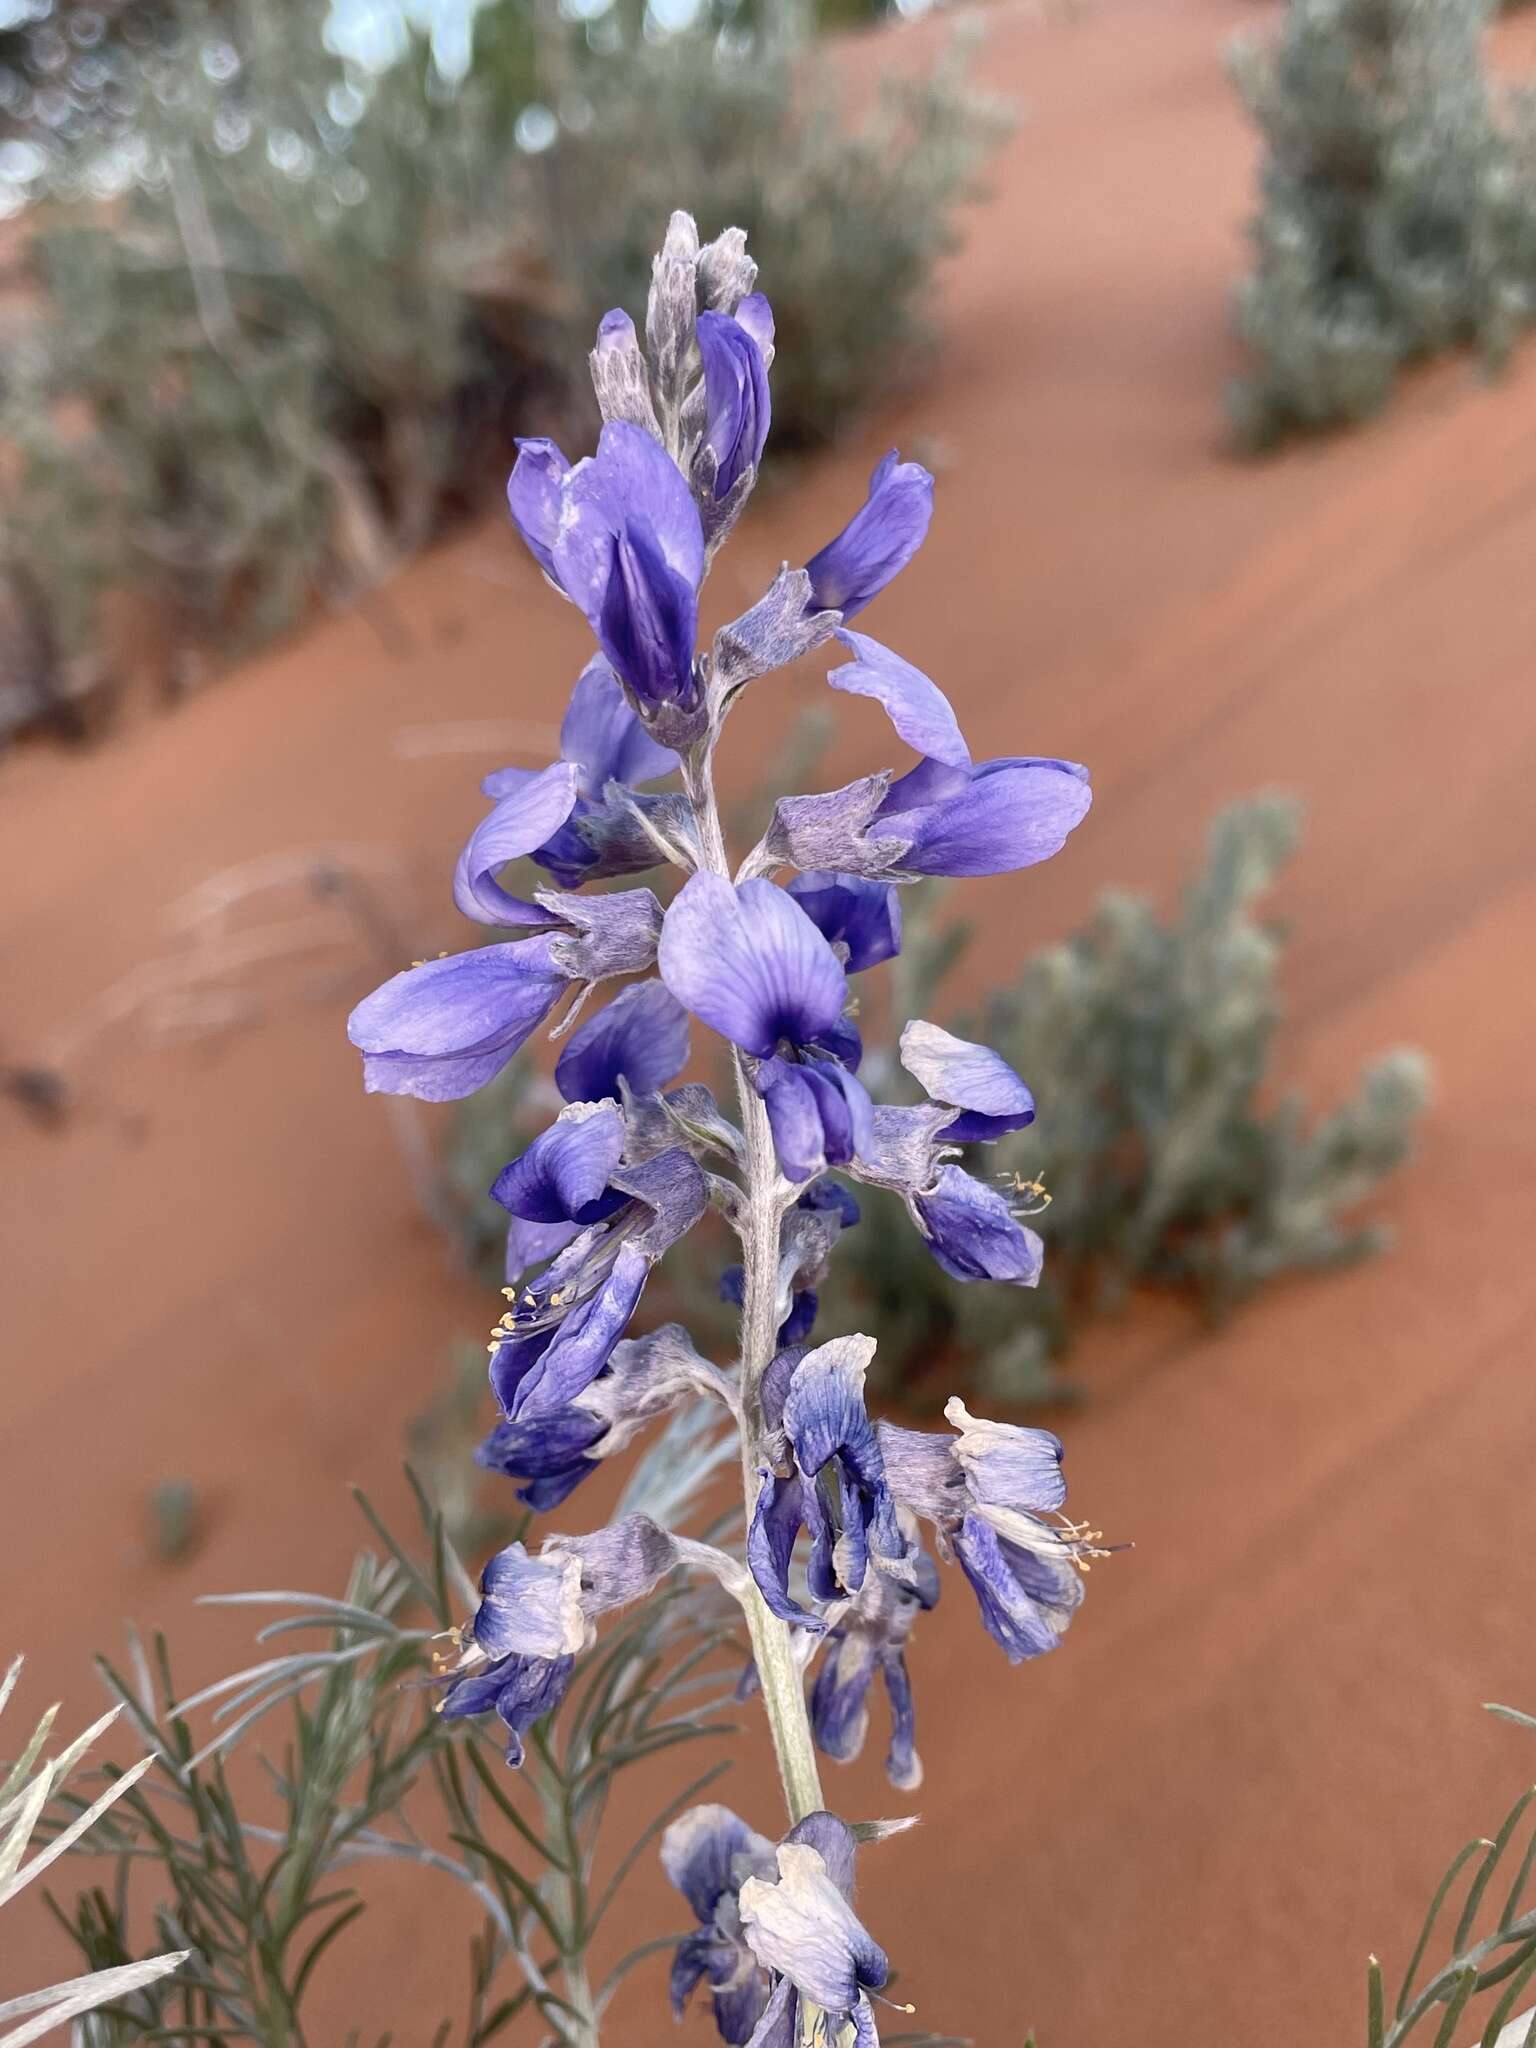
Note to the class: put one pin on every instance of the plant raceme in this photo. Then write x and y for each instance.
(835, 1504)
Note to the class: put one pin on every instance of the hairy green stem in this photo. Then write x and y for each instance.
(783, 1687)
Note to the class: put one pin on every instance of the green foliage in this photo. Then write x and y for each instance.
(27, 1786)
(1146, 1044)
(1397, 213)
(848, 220)
(258, 1887)
(288, 312)
(1491, 1946)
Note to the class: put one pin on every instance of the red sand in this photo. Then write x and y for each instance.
(1264, 1738)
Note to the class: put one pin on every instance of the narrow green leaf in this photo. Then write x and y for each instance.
(648, 1835)
(1465, 1985)
(1490, 1862)
(321, 1943)
(1430, 1918)
(527, 1892)
(1499, 2018)
(1375, 2004)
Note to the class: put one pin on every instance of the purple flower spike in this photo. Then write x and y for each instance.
(443, 1029)
(878, 541)
(863, 916)
(974, 1234)
(1002, 816)
(751, 964)
(640, 1038)
(991, 1098)
(916, 706)
(735, 392)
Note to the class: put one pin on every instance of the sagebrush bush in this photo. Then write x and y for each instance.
(1397, 208)
(287, 315)
(849, 218)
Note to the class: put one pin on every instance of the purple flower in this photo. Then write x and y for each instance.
(736, 400)
(974, 1234)
(561, 816)
(862, 917)
(537, 1613)
(620, 534)
(995, 1495)
(878, 541)
(709, 1853)
(872, 1637)
(562, 1328)
(640, 1039)
(803, 1928)
(535, 808)
(917, 708)
(563, 1176)
(835, 1489)
(533, 497)
(1027, 1595)
(444, 1028)
(819, 1113)
(776, 1925)
(986, 820)
(968, 1227)
(521, 1690)
(548, 1453)
(991, 1098)
(555, 1450)
(627, 1052)
(752, 964)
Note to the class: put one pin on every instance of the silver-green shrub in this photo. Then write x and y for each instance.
(288, 312)
(1397, 207)
(853, 215)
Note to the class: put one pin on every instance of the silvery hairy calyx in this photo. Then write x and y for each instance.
(833, 1570)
